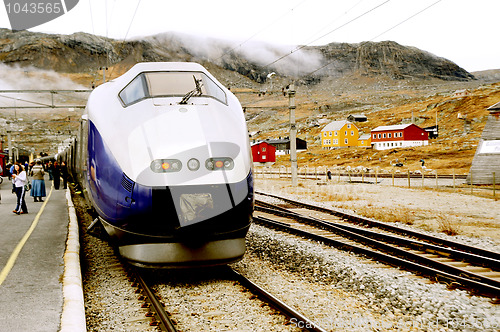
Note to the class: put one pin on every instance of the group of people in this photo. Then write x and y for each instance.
(20, 183)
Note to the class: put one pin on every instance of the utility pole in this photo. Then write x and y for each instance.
(293, 134)
(9, 141)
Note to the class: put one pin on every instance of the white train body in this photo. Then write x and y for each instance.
(169, 165)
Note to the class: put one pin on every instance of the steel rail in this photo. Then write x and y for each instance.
(394, 229)
(158, 307)
(278, 304)
(417, 245)
(378, 241)
(253, 287)
(405, 259)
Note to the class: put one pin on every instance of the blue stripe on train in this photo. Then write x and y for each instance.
(111, 190)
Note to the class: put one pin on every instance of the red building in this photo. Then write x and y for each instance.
(3, 157)
(263, 152)
(399, 136)
(2, 164)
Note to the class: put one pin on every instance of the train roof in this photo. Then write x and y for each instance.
(159, 66)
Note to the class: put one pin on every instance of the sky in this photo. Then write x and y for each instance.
(463, 31)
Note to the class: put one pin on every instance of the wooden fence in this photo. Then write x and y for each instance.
(410, 178)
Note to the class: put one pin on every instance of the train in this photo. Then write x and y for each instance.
(163, 157)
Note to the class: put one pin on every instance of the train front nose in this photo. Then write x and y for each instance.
(198, 184)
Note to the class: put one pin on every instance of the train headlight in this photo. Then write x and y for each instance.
(193, 164)
(166, 165)
(216, 164)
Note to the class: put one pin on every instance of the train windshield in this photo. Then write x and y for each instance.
(171, 84)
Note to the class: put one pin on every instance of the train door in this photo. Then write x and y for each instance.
(82, 155)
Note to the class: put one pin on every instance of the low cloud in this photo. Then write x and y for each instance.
(31, 78)
(262, 54)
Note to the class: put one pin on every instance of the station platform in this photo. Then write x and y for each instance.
(40, 276)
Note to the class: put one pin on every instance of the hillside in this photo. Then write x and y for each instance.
(492, 75)
(385, 81)
(84, 53)
(389, 58)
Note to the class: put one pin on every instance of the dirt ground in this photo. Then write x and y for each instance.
(447, 210)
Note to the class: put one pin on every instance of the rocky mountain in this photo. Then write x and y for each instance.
(83, 53)
(492, 75)
(394, 60)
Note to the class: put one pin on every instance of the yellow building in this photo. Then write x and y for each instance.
(365, 141)
(339, 134)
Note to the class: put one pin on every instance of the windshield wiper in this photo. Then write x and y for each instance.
(196, 92)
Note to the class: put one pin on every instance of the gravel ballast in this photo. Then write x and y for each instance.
(338, 290)
(367, 296)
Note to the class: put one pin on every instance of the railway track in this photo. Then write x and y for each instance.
(291, 313)
(455, 264)
(160, 317)
(164, 320)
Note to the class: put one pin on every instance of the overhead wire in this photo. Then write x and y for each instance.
(106, 15)
(128, 30)
(324, 28)
(91, 17)
(393, 27)
(132, 20)
(331, 22)
(26, 101)
(405, 20)
(93, 32)
(326, 34)
(261, 30)
(112, 11)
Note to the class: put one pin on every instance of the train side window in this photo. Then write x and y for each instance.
(214, 90)
(134, 91)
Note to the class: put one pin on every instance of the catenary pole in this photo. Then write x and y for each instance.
(293, 134)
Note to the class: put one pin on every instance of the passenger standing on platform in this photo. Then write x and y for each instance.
(9, 174)
(56, 173)
(38, 184)
(12, 170)
(50, 167)
(64, 174)
(20, 179)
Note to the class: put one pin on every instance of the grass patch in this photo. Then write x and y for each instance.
(447, 226)
(401, 215)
